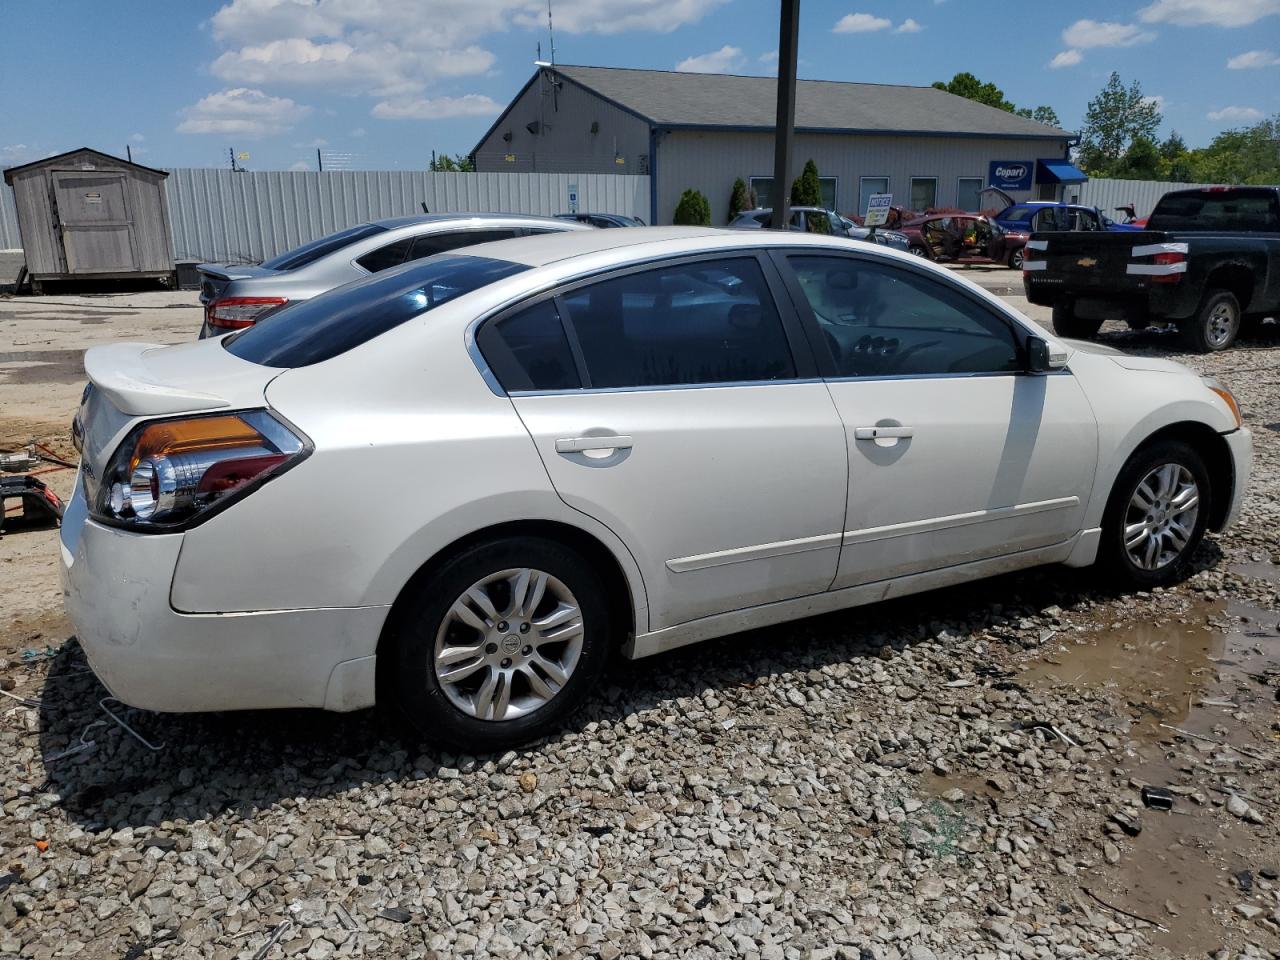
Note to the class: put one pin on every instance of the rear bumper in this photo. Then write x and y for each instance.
(1172, 301)
(116, 591)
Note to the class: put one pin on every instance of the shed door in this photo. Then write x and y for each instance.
(96, 226)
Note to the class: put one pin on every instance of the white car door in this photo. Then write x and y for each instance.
(676, 405)
(956, 453)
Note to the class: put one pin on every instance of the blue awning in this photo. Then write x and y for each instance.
(1058, 171)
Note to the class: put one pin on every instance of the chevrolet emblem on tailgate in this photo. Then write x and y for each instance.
(1086, 262)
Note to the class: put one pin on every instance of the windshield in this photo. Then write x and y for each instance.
(313, 251)
(1217, 210)
(323, 327)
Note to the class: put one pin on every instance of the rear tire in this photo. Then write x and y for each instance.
(919, 251)
(1067, 324)
(483, 662)
(1015, 259)
(1215, 325)
(1156, 517)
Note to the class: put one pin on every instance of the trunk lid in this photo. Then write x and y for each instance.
(131, 382)
(214, 277)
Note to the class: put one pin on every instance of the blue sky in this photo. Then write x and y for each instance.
(388, 81)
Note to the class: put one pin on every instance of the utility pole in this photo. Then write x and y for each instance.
(319, 161)
(784, 136)
(128, 152)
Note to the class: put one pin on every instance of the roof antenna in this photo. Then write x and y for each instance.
(551, 30)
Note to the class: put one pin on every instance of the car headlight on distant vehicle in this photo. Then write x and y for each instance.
(1227, 396)
(168, 473)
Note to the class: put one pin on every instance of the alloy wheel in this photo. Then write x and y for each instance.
(508, 644)
(1221, 325)
(1161, 516)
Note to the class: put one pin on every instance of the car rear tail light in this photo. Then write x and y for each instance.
(232, 313)
(170, 473)
(1169, 260)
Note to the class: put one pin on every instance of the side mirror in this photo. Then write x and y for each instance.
(1041, 358)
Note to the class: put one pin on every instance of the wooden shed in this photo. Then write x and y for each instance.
(87, 215)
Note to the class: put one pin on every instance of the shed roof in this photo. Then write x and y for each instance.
(714, 100)
(115, 161)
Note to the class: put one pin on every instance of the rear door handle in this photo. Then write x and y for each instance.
(580, 444)
(880, 433)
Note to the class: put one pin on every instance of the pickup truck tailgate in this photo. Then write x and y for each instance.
(1090, 261)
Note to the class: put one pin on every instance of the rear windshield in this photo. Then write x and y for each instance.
(1017, 214)
(1216, 210)
(323, 327)
(313, 251)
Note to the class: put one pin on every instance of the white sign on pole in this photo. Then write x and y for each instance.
(878, 210)
(573, 198)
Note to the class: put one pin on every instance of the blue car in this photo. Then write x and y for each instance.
(1036, 215)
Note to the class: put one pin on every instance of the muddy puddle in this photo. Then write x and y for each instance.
(41, 366)
(1199, 692)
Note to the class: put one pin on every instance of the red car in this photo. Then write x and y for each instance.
(964, 238)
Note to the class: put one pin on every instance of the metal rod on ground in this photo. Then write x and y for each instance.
(788, 42)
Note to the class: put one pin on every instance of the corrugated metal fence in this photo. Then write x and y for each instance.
(223, 215)
(1106, 195)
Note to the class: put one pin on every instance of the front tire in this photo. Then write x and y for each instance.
(1215, 325)
(919, 251)
(1067, 324)
(1157, 515)
(501, 645)
(1015, 259)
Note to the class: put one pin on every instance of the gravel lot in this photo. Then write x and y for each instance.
(954, 775)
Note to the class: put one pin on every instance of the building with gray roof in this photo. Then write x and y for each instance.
(927, 147)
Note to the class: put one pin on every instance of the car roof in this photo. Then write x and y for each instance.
(392, 223)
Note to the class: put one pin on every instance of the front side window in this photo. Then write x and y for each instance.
(880, 320)
(690, 323)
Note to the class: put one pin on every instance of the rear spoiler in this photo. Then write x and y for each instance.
(119, 371)
(226, 271)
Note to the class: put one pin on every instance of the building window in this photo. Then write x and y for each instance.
(967, 194)
(866, 187)
(763, 187)
(924, 193)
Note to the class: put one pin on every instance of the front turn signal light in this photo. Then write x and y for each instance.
(1228, 398)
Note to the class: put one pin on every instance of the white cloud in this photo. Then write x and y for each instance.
(1253, 60)
(770, 57)
(300, 166)
(860, 23)
(437, 108)
(1084, 34)
(137, 138)
(15, 153)
(1236, 114)
(242, 112)
(908, 26)
(311, 144)
(1217, 13)
(1156, 100)
(1067, 58)
(724, 60)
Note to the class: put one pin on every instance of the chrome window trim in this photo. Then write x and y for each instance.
(719, 385)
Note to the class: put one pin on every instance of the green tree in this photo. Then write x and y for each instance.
(1113, 120)
(1141, 161)
(693, 210)
(1045, 115)
(1246, 155)
(742, 198)
(458, 163)
(806, 191)
(971, 88)
(1175, 158)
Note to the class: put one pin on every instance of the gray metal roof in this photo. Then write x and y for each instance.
(715, 100)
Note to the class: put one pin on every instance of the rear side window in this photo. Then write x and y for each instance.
(313, 251)
(1217, 210)
(392, 255)
(320, 328)
(529, 350)
(689, 323)
(1017, 214)
(428, 245)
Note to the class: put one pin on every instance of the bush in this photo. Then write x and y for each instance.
(693, 210)
(807, 190)
(742, 198)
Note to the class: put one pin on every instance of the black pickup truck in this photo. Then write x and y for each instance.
(1208, 260)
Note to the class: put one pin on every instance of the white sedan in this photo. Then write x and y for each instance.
(459, 485)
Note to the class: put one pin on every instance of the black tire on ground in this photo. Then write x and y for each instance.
(1114, 559)
(419, 694)
(1067, 324)
(1215, 325)
(919, 251)
(1015, 259)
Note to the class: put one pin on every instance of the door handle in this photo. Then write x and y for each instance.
(581, 444)
(880, 433)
